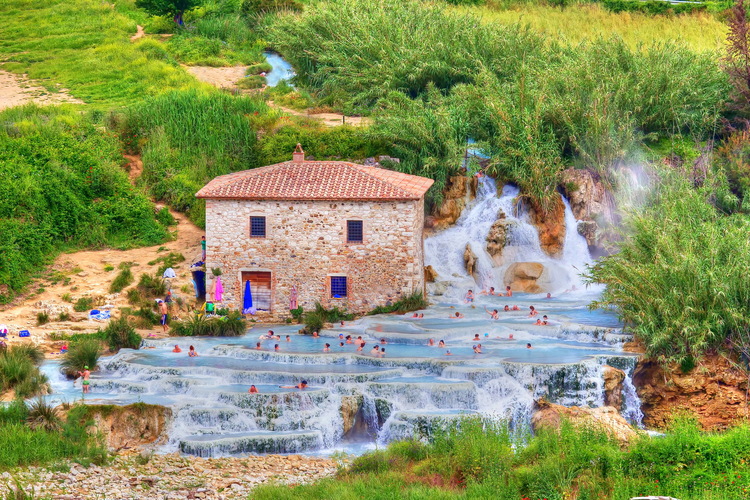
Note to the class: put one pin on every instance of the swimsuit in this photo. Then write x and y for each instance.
(85, 382)
(163, 319)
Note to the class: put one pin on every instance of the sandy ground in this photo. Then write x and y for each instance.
(138, 34)
(16, 90)
(328, 119)
(83, 274)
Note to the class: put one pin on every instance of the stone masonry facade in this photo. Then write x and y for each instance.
(306, 243)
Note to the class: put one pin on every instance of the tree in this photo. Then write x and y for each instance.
(737, 59)
(174, 8)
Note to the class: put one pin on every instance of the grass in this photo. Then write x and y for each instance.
(42, 318)
(409, 303)
(585, 22)
(167, 261)
(316, 319)
(151, 285)
(22, 445)
(119, 334)
(83, 304)
(85, 47)
(123, 279)
(84, 351)
(479, 459)
(231, 325)
(19, 371)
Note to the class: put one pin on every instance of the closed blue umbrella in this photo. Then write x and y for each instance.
(247, 305)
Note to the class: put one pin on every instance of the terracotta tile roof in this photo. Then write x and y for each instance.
(317, 180)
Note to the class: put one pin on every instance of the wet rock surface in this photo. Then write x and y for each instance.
(613, 379)
(470, 260)
(458, 192)
(606, 418)
(527, 277)
(551, 227)
(169, 477)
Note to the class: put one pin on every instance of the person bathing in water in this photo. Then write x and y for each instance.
(301, 385)
(192, 352)
(458, 315)
(542, 322)
(176, 348)
(431, 342)
(491, 291)
(86, 383)
(361, 346)
(252, 390)
(477, 349)
(441, 344)
(375, 350)
(327, 348)
(532, 312)
(476, 337)
(257, 346)
(469, 296)
(493, 314)
(508, 292)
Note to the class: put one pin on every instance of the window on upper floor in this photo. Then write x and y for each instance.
(339, 287)
(257, 227)
(354, 231)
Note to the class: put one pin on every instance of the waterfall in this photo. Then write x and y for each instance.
(444, 251)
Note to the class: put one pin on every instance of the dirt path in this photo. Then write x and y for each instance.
(327, 119)
(135, 167)
(138, 34)
(16, 90)
(83, 273)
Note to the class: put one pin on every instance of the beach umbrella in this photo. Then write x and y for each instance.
(293, 298)
(219, 290)
(247, 305)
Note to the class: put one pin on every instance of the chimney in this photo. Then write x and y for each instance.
(298, 156)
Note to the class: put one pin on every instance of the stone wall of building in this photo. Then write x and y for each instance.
(305, 243)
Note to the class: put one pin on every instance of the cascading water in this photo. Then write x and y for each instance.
(355, 399)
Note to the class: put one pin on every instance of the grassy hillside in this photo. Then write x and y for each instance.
(581, 22)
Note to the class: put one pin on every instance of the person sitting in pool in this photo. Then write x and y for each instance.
(341, 344)
(176, 348)
(415, 315)
(315, 334)
(359, 340)
(506, 308)
(477, 349)
(549, 295)
(532, 312)
(493, 314)
(382, 352)
(342, 322)
(516, 308)
(361, 346)
(192, 352)
(375, 350)
(383, 341)
(458, 315)
(491, 291)
(469, 297)
(348, 339)
(288, 338)
(528, 346)
(431, 342)
(421, 315)
(476, 336)
(252, 390)
(276, 347)
(341, 336)
(327, 348)
(301, 385)
(508, 292)
(538, 322)
(510, 337)
(267, 336)
(441, 344)
(257, 346)
(544, 320)
(448, 353)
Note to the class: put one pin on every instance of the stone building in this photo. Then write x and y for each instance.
(338, 233)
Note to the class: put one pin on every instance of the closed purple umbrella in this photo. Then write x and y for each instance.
(219, 290)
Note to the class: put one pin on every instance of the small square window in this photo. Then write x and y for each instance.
(338, 287)
(258, 227)
(354, 231)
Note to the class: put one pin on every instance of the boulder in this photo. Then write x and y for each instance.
(458, 191)
(588, 198)
(430, 275)
(613, 379)
(497, 238)
(551, 227)
(350, 407)
(606, 418)
(470, 260)
(528, 277)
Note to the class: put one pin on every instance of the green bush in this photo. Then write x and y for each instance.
(42, 415)
(85, 351)
(152, 285)
(679, 279)
(15, 412)
(412, 302)
(123, 279)
(231, 325)
(42, 318)
(119, 334)
(19, 371)
(83, 304)
(167, 261)
(316, 319)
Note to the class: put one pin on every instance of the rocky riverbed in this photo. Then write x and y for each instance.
(168, 477)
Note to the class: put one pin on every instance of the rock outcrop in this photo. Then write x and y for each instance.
(528, 277)
(470, 260)
(592, 204)
(606, 418)
(715, 391)
(613, 379)
(430, 275)
(459, 190)
(350, 407)
(498, 237)
(551, 227)
(130, 426)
